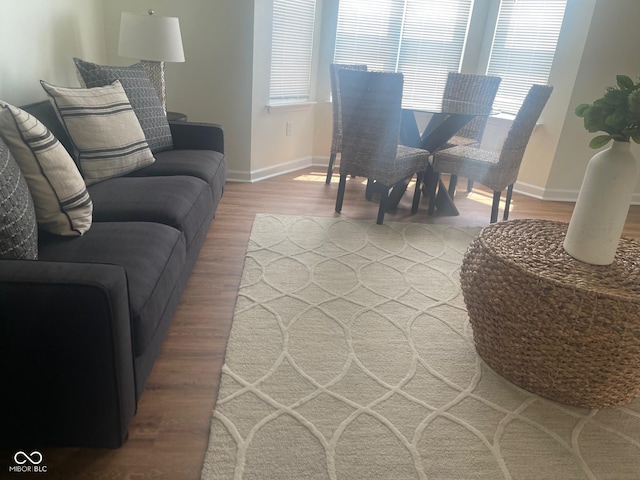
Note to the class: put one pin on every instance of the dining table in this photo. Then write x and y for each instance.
(447, 118)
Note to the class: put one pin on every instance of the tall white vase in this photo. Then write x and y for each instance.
(602, 206)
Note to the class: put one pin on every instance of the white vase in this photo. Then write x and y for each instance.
(602, 206)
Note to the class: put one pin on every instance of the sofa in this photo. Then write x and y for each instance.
(81, 326)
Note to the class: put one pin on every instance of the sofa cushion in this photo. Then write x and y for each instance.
(203, 164)
(141, 93)
(182, 202)
(152, 255)
(18, 228)
(62, 203)
(106, 135)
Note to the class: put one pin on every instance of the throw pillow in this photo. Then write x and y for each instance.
(142, 95)
(18, 228)
(62, 203)
(106, 135)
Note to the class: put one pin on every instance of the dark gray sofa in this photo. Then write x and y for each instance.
(81, 327)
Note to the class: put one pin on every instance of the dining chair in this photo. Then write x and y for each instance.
(336, 139)
(474, 88)
(496, 170)
(371, 107)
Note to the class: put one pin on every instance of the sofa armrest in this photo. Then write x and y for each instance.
(197, 136)
(66, 356)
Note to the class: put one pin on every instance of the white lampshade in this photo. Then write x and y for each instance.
(150, 37)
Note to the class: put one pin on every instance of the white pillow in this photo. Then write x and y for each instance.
(142, 95)
(60, 196)
(105, 132)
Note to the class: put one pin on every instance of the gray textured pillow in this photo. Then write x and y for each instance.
(60, 196)
(18, 227)
(105, 133)
(141, 93)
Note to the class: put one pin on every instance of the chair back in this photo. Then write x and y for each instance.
(517, 139)
(469, 87)
(371, 104)
(336, 139)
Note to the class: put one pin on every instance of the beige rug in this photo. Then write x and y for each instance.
(351, 357)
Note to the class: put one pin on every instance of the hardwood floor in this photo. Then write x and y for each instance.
(169, 434)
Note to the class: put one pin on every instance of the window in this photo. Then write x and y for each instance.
(523, 47)
(423, 39)
(291, 50)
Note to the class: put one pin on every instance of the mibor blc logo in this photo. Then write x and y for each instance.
(27, 463)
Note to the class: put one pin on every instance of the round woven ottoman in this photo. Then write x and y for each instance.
(564, 329)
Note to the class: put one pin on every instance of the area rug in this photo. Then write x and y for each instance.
(351, 357)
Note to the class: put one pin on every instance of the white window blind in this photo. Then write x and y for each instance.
(291, 50)
(523, 48)
(423, 39)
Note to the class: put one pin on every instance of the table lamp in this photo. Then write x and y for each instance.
(153, 40)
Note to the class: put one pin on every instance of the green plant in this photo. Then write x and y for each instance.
(617, 113)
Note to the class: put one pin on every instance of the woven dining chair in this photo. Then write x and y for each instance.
(336, 139)
(371, 106)
(495, 170)
(473, 88)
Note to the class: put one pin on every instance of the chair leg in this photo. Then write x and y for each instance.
(494, 206)
(368, 193)
(469, 185)
(384, 195)
(507, 202)
(332, 160)
(416, 193)
(341, 186)
(453, 181)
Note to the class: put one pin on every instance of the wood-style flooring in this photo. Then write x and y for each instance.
(168, 436)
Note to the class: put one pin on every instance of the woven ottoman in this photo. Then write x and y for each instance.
(564, 329)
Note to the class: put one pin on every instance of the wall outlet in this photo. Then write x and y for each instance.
(288, 128)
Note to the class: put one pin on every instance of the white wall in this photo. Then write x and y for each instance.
(214, 83)
(273, 151)
(39, 38)
(537, 164)
(611, 48)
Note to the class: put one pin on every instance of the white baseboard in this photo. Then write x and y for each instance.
(321, 161)
(535, 191)
(268, 172)
(553, 195)
(530, 190)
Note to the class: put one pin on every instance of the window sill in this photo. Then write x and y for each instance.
(288, 107)
(504, 116)
(508, 118)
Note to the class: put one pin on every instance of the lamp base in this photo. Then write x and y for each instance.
(155, 71)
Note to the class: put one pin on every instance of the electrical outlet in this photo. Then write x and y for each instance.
(288, 128)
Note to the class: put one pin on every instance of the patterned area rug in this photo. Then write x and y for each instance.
(351, 357)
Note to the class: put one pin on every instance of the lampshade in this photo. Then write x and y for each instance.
(146, 36)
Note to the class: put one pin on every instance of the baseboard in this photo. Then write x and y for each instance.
(535, 191)
(529, 190)
(271, 171)
(553, 195)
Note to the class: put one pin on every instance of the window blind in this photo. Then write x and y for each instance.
(292, 50)
(523, 48)
(422, 39)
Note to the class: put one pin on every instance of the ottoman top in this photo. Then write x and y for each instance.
(535, 247)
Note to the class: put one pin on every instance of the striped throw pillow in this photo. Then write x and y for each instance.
(62, 203)
(105, 132)
(141, 93)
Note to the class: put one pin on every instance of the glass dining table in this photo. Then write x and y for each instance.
(447, 118)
